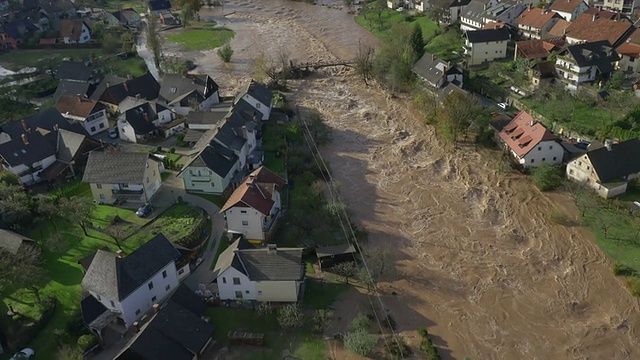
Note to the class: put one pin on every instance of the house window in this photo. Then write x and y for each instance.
(539, 148)
(243, 211)
(112, 304)
(532, 161)
(247, 291)
(153, 299)
(580, 163)
(154, 173)
(224, 280)
(147, 180)
(544, 159)
(101, 126)
(174, 89)
(245, 223)
(180, 272)
(102, 197)
(213, 185)
(554, 158)
(259, 292)
(164, 274)
(150, 285)
(98, 186)
(571, 171)
(257, 105)
(93, 128)
(588, 168)
(550, 147)
(190, 172)
(166, 288)
(236, 281)
(138, 312)
(238, 294)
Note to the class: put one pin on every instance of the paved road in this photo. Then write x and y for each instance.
(145, 54)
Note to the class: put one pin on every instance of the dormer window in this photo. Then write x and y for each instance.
(174, 89)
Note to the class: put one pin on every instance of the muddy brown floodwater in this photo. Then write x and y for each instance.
(478, 262)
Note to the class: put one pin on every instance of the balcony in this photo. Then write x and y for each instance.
(270, 220)
(127, 191)
(196, 178)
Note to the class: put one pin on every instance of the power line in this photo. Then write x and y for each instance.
(336, 196)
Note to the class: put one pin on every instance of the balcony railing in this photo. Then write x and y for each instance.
(200, 178)
(127, 192)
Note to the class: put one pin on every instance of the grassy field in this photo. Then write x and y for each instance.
(113, 5)
(17, 59)
(175, 223)
(201, 36)
(321, 294)
(273, 137)
(380, 26)
(134, 66)
(446, 45)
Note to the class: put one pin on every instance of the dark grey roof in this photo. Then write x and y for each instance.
(474, 11)
(228, 257)
(247, 111)
(598, 54)
(157, 5)
(487, 35)
(69, 87)
(115, 167)
(263, 264)
(430, 68)
(68, 145)
(188, 299)
(74, 71)
(136, 118)
(91, 308)
(45, 119)
(86, 261)
(258, 92)
(151, 344)
(229, 137)
(182, 326)
(341, 249)
(217, 158)
(620, 161)
(38, 147)
(13, 242)
(205, 117)
(116, 278)
(175, 86)
(193, 135)
(104, 84)
(146, 86)
(15, 29)
(448, 90)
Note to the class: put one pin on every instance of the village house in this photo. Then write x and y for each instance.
(479, 13)
(205, 120)
(177, 331)
(627, 7)
(113, 176)
(535, 49)
(558, 31)
(14, 243)
(482, 46)
(90, 113)
(529, 142)
(45, 121)
(594, 28)
(542, 71)
(128, 286)
(258, 96)
(607, 169)
(253, 209)
(535, 23)
(72, 88)
(472, 16)
(212, 171)
(16, 32)
(72, 152)
(629, 52)
(569, 9)
(126, 17)
(435, 72)
(28, 155)
(139, 120)
(74, 31)
(113, 90)
(155, 7)
(580, 63)
(188, 92)
(269, 274)
(330, 256)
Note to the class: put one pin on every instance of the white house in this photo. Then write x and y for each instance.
(254, 207)
(213, 170)
(129, 286)
(74, 31)
(90, 113)
(482, 46)
(529, 142)
(188, 92)
(435, 72)
(139, 119)
(569, 9)
(580, 63)
(629, 57)
(268, 274)
(607, 169)
(258, 96)
(28, 155)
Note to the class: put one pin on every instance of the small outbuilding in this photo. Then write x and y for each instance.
(329, 256)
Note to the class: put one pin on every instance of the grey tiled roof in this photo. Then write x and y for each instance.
(115, 168)
(12, 242)
(68, 145)
(217, 158)
(38, 147)
(258, 92)
(116, 278)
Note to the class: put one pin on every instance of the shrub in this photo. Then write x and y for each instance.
(290, 316)
(321, 318)
(398, 349)
(225, 53)
(264, 309)
(360, 322)
(427, 346)
(547, 177)
(85, 342)
(633, 283)
(172, 150)
(360, 342)
(620, 269)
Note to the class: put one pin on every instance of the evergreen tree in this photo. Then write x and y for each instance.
(417, 42)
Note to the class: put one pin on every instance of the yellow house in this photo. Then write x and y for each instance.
(483, 46)
(113, 176)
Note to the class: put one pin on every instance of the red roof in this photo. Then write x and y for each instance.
(256, 191)
(534, 49)
(634, 38)
(559, 28)
(536, 18)
(523, 134)
(592, 28)
(631, 50)
(605, 14)
(568, 6)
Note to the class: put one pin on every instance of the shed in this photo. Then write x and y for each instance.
(329, 256)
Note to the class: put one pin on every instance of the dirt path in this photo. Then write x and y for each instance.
(478, 261)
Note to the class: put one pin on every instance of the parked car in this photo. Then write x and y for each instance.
(144, 210)
(113, 133)
(24, 354)
(503, 106)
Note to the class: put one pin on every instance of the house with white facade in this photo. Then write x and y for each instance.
(569, 9)
(482, 46)
(128, 286)
(90, 113)
(580, 63)
(116, 175)
(535, 23)
(627, 7)
(28, 155)
(436, 72)
(188, 92)
(529, 142)
(594, 26)
(74, 31)
(112, 91)
(254, 207)
(607, 169)
(258, 96)
(212, 171)
(629, 57)
(268, 274)
(139, 120)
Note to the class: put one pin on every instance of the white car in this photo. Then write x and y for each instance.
(503, 106)
(113, 133)
(400, 9)
(24, 354)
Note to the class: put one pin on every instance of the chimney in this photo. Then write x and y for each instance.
(126, 86)
(608, 143)
(433, 57)
(108, 84)
(594, 17)
(136, 327)
(529, 7)
(25, 140)
(120, 254)
(129, 77)
(137, 96)
(156, 308)
(272, 249)
(56, 127)
(145, 116)
(24, 125)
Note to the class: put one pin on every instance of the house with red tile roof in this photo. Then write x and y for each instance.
(592, 28)
(254, 208)
(535, 23)
(74, 31)
(529, 142)
(569, 9)
(558, 30)
(534, 49)
(629, 57)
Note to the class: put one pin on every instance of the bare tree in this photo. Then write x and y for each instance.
(48, 209)
(381, 260)
(154, 40)
(364, 62)
(366, 279)
(78, 210)
(56, 243)
(346, 270)
(28, 271)
(118, 233)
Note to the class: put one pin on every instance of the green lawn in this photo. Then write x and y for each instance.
(165, 175)
(17, 59)
(114, 5)
(175, 223)
(216, 199)
(320, 294)
(444, 45)
(380, 26)
(275, 164)
(201, 36)
(134, 66)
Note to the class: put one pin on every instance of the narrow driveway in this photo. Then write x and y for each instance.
(145, 54)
